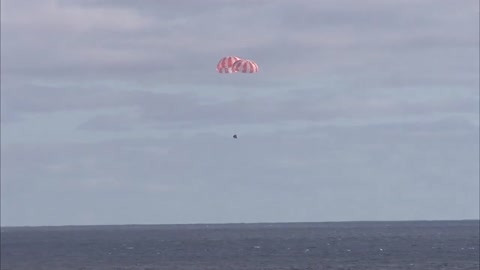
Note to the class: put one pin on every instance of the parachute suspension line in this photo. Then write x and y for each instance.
(234, 64)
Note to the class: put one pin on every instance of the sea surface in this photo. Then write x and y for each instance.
(419, 245)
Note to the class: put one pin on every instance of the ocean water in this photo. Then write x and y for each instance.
(343, 245)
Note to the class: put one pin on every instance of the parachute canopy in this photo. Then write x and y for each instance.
(226, 63)
(232, 64)
(245, 66)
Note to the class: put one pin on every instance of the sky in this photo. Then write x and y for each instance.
(112, 111)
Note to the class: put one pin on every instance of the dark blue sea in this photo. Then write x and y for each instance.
(418, 245)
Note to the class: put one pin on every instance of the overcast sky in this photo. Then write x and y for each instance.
(112, 111)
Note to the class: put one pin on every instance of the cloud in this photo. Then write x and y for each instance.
(38, 37)
(168, 42)
(58, 15)
(383, 165)
(370, 105)
(166, 113)
(124, 108)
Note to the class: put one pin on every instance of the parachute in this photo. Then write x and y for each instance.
(233, 64)
(245, 66)
(226, 63)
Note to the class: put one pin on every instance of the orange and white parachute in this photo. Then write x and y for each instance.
(226, 63)
(245, 66)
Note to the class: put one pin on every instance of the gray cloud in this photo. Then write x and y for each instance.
(374, 167)
(371, 107)
(266, 111)
(158, 40)
(148, 107)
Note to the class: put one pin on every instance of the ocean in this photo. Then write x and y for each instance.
(418, 245)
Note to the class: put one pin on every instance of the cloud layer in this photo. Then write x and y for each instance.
(115, 107)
